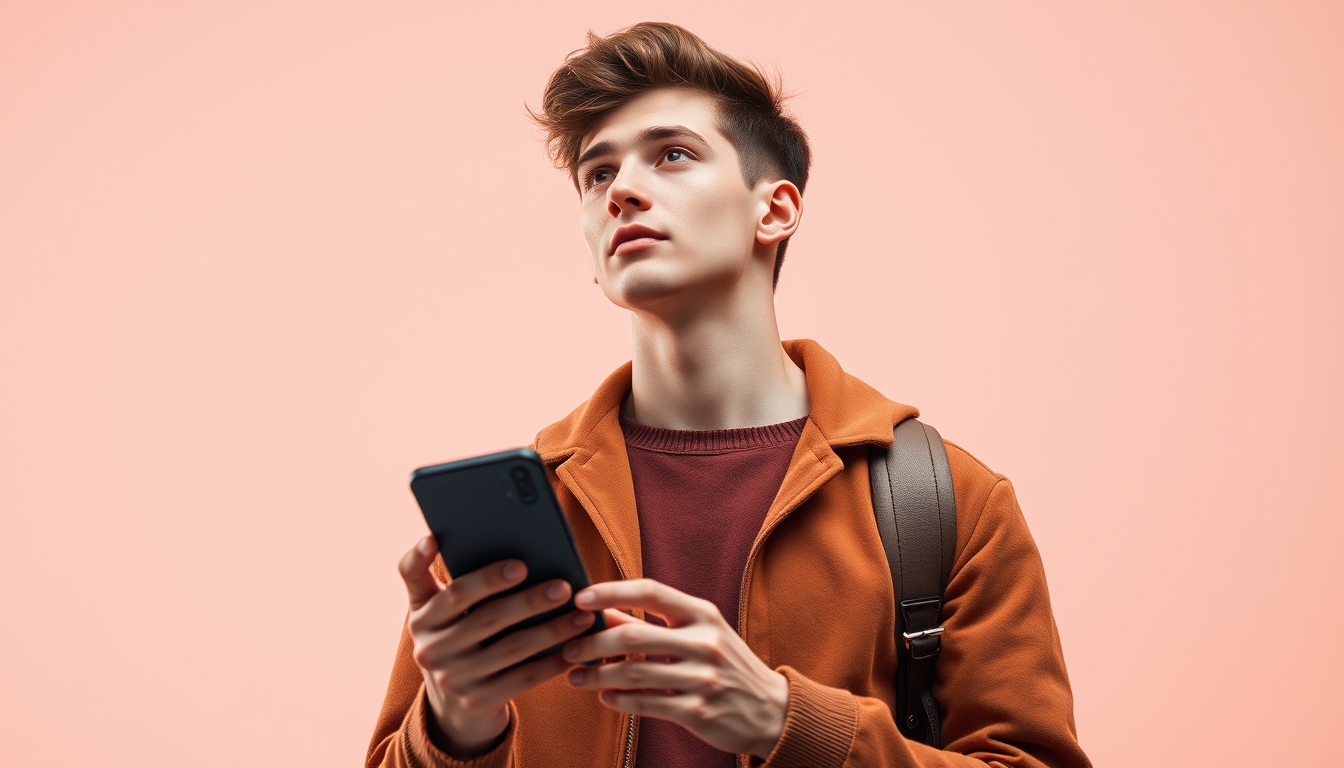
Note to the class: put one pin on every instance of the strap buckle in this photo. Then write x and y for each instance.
(921, 633)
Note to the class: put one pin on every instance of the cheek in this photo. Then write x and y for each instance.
(723, 203)
(591, 226)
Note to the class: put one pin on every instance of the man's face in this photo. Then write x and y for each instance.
(665, 211)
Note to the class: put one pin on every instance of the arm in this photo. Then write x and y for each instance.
(401, 739)
(1001, 682)
(1001, 679)
(449, 701)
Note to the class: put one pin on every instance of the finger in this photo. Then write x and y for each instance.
(414, 567)
(637, 675)
(676, 708)
(522, 678)
(615, 618)
(675, 606)
(517, 646)
(472, 588)
(637, 637)
(493, 616)
(471, 666)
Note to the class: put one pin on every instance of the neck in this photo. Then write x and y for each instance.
(721, 367)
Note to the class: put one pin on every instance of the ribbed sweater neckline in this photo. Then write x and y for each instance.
(711, 440)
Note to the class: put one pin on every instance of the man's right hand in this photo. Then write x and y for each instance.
(465, 682)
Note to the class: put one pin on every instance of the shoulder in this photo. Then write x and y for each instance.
(986, 503)
(562, 439)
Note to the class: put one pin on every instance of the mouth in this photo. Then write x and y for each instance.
(633, 237)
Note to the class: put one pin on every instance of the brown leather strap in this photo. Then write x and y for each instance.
(917, 520)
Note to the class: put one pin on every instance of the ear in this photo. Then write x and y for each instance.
(783, 205)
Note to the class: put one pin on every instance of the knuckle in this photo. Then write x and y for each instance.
(469, 701)
(488, 617)
(561, 629)
(512, 647)
(709, 681)
(697, 707)
(537, 599)
(531, 677)
(713, 649)
(415, 623)
(458, 596)
(445, 602)
(421, 656)
(630, 634)
(444, 682)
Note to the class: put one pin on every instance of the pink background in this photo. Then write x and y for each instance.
(258, 261)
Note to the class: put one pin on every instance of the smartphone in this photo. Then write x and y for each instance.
(498, 507)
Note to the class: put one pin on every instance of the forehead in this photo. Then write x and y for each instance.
(663, 106)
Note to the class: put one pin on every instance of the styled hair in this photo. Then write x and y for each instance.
(613, 70)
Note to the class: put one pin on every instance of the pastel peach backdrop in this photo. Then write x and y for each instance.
(259, 260)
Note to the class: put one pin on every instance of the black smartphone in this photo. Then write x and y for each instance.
(498, 507)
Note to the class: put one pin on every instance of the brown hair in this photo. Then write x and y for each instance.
(615, 69)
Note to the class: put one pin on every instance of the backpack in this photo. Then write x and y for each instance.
(917, 520)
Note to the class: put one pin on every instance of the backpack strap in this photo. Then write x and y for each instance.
(917, 520)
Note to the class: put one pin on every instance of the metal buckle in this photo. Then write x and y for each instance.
(921, 633)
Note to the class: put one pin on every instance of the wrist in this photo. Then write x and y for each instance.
(777, 708)
(464, 741)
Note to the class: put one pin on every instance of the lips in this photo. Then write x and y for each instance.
(638, 235)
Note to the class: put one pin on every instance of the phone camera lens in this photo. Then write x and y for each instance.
(522, 479)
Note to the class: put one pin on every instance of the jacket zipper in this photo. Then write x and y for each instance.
(742, 590)
(629, 758)
(628, 755)
(751, 558)
(742, 760)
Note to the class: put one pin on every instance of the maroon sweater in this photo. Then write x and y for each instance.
(701, 499)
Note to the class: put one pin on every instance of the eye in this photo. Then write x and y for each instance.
(595, 176)
(675, 155)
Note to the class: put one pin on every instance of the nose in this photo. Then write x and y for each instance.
(626, 193)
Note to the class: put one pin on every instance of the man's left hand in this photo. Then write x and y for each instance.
(714, 686)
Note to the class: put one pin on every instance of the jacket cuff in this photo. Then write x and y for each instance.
(819, 725)
(421, 752)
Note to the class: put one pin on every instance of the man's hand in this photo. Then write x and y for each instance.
(465, 682)
(714, 687)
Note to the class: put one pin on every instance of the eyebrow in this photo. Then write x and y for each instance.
(651, 133)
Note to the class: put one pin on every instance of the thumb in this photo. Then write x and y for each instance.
(414, 567)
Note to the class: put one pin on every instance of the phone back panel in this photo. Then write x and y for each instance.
(498, 507)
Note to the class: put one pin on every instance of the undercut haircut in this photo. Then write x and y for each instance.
(613, 70)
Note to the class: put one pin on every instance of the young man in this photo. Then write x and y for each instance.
(717, 487)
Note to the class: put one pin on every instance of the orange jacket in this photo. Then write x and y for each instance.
(816, 605)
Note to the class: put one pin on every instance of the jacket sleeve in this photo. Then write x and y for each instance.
(1001, 686)
(401, 737)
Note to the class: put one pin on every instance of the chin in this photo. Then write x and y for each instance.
(653, 283)
(645, 292)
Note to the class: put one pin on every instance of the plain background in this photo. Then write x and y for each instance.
(259, 260)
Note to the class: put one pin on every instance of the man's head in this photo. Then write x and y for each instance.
(650, 122)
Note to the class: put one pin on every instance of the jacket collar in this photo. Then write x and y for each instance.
(845, 410)
(587, 447)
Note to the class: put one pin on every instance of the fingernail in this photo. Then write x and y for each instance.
(423, 546)
(576, 677)
(583, 619)
(571, 651)
(514, 570)
(556, 590)
(585, 598)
